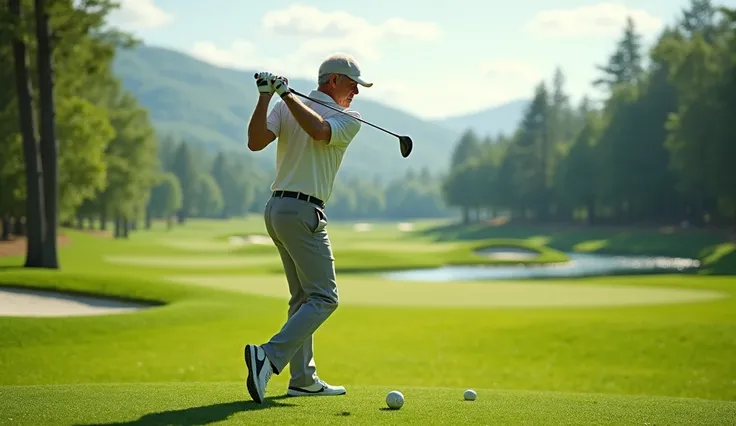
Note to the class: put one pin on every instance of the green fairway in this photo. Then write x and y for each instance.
(648, 349)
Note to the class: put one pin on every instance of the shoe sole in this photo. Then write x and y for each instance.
(292, 392)
(251, 381)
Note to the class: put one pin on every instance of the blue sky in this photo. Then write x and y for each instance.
(452, 58)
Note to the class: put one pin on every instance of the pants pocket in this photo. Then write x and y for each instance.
(321, 220)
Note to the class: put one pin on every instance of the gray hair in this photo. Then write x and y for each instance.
(325, 78)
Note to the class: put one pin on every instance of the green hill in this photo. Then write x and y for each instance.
(210, 106)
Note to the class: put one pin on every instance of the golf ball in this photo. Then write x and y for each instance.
(395, 400)
(469, 395)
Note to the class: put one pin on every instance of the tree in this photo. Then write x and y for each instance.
(49, 144)
(699, 19)
(84, 132)
(207, 198)
(625, 64)
(35, 210)
(467, 147)
(166, 198)
(185, 170)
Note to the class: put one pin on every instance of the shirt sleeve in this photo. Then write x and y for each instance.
(273, 122)
(344, 128)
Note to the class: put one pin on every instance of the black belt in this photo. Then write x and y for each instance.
(300, 196)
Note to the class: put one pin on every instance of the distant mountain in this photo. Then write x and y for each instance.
(210, 106)
(503, 118)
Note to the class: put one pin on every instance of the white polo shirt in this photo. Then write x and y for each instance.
(304, 164)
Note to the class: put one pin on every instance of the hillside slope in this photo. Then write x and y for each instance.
(491, 121)
(211, 106)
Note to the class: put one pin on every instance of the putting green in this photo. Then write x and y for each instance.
(194, 261)
(368, 290)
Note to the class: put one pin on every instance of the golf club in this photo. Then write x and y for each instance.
(405, 142)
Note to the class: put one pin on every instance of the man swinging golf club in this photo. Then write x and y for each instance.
(312, 140)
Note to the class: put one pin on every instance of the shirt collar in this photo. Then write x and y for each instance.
(322, 96)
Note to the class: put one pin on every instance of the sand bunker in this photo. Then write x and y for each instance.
(250, 239)
(507, 253)
(20, 302)
(362, 227)
(404, 226)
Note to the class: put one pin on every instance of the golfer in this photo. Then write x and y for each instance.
(312, 141)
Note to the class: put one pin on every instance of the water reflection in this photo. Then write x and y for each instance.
(580, 264)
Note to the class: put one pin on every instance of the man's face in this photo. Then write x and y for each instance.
(344, 89)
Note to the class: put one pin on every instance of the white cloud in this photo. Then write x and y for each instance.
(602, 19)
(321, 32)
(307, 21)
(317, 34)
(242, 54)
(238, 55)
(139, 14)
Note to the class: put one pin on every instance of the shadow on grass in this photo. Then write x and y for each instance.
(202, 415)
(12, 267)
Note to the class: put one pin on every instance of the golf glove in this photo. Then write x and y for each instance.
(264, 83)
(281, 85)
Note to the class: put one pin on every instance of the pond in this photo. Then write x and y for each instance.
(580, 265)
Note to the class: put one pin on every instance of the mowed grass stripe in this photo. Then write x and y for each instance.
(194, 261)
(205, 403)
(374, 290)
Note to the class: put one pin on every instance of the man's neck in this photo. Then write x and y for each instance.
(321, 90)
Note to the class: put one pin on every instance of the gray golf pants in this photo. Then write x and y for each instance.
(297, 228)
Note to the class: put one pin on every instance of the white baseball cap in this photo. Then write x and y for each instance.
(345, 64)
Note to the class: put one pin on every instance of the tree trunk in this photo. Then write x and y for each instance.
(103, 219)
(19, 228)
(35, 216)
(6, 228)
(118, 231)
(49, 148)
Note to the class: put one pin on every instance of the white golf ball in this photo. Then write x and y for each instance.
(395, 400)
(469, 395)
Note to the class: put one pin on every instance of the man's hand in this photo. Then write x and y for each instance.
(280, 85)
(264, 83)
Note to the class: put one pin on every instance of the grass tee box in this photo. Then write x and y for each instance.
(179, 360)
(206, 403)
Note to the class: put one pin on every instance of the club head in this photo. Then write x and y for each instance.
(406, 145)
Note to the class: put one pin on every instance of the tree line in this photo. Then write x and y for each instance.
(197, 184)
(657, 149)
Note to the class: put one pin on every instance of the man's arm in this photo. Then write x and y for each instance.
(311, 122)
(308, 119)
(259, 136)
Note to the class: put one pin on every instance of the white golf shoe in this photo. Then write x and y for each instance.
(259, 372)
(320, 387)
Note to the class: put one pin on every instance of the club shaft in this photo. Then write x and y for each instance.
(342, 112)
